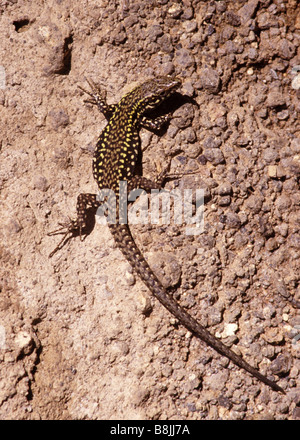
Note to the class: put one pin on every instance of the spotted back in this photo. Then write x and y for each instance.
(118, 145)
(116, 151)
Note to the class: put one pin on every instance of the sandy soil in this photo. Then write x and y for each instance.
(80, 336)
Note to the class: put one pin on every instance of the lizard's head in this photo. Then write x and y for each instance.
(154, 91)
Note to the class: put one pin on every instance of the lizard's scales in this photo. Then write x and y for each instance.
(115, 160)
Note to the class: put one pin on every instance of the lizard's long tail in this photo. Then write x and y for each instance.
(125, 241)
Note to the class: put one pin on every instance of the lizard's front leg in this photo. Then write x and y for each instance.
(98, 98)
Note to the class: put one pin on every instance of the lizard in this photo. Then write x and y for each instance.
(115, 159)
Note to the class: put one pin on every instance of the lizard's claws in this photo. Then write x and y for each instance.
(69, 230)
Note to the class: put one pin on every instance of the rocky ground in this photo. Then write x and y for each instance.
(80, 336)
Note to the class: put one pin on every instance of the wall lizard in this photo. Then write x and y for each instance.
(115, 160)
